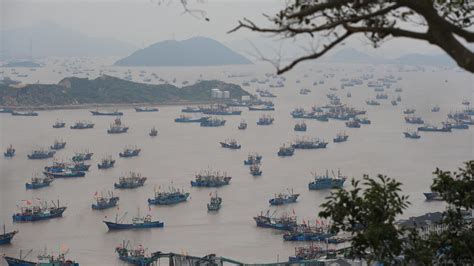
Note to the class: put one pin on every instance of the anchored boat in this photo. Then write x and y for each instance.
(138, 222)
(82, 125)
(112, 113)
(39, 182)
(106, 163)
(215, 203)
(134, 180)
(31, 113)
(255, 169)
(284, 222)
(153, 132)
(211, 178)
(6, 238)
(105, 202)
(40, 154)
(172, 196)
(136, 256)
(242, 125)
(59, 124)
(341, 137)
(38, 211)
(305, 143)
(326, 181)
(411, 135)
(286, 151)
(44, 260)
(82, 156)
(117, 127)
(284, 198)
(130, 152)
(230, 144)
(265, 120)
(10, 152)
(253, 158)
(300, 126)
(58, 145)
(212, 122)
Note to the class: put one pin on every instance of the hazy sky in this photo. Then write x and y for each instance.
(143, 22)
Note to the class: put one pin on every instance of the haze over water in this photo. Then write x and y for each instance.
(181, 150)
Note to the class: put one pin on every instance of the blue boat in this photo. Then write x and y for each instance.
(456, 124)
(114, 113)
(283, 198)
(286, 151)
(212, 122)
(38, 182)
(305, 232)
(82, 125)
(130, 152)
(444, 128)
(252, 159)
(327, 182)
(341, 137)
(261, 108)
(265, 120)
(136, 256)
(300, 127)
(44, 260)
(6, 238)
(117, 127)
(255, 169)
(305, 144)
(83, 156)
(283, 222)
(10, 152)
(188, 119)
(211, 179)
(167, 198)
(134, 180)
(41, 154)
(215, 203)
(106, 202)
(137, 223)
(65, 174)
(432, 196)
(38, 212)
(59, 124)
(106, 163)
(352, 124)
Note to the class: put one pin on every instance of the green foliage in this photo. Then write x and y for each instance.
(369, 214)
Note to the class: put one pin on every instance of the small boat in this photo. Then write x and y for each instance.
(284, 222)
(39, 182)
(191, 109)
(215, 203)
(300, 126)
(58, 145)
(309, 253)
(146, 109)
(106, 163)
(261, 108)
(341, 137)
(326, 181)
(105, 202)
(255, 169)
(117, 127)
(172, 196)
(130, 152)
(352, 124)
(44, 260)
(381, 96)
(435, 109)
(230, 144)
(398, 89)
(6, 238)
(242, 125)
(409, 111)
(466, 102)
(153, 132)
(432, 196)
(428, 128)
(59, 124)
(305, 144)
(252, 159)
(394, 102)
(134, 180)
(265, 120)
(210, 179)
(411, 135)
(10, 152)
(188, 119)
(136, 256)
(284, 198)
(40, 154)
(362, 120)
(372, 102)
(414, 120)
(305, 232)
(67, 173)
(31, 113)
(39, 211)
(286, 151)
(82, 125)
(82, 156)
(113, 113)
(137, 223)
(212, 122)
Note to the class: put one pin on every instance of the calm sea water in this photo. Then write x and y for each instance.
(181, 150)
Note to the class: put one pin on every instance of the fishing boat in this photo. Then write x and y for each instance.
(261, 108)
(172, 196)
(305, 232)
(111, 113)
(284, 198)
(41, 154)
(309, 253)
(59, 124)
(136, 256)
(38, 211)
(372, 102)
(340, 137)
(191, 109)
(411, 134)
(255, 169)
(58, 145)
(211, 178)
(133, 180)
(286, 151)
(212, 122)
(456, 124)
(414, 120)
(188, 119)
(39, 182)
(253, 158)
(117, 127)
(215, 203)
(82, 156)
(435, 109)
(105, 202)
(399, 98)
(466, 102)
(409, 111)
(153, 132)
(44, 260)
(381, 96)
(352, 124)
(67, 173)
(220, 110)
(362, 120)
(137, 222)
(230, 144)
(30, 113)
(130, 152)
(82, 125)
(300, 126)
(265, 120)
(305, 143)
(106, 163)
(242, 125)
(6, 238)
(146, 109)
(432, 196)
(10, 152)
(429, 128)
(326, 181)
(284, 222)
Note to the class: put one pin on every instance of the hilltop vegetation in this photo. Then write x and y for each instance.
(110, 90)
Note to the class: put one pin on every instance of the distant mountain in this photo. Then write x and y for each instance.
(47, 39)
(350, 55)
(197, 51)
(110, 90)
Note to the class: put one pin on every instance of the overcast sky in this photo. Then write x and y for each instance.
(143, 22)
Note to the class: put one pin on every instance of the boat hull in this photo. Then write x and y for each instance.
(117, 226)
(32, 218)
